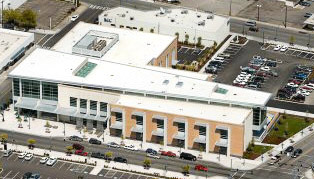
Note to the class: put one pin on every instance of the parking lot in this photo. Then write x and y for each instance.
(188, 54)
(285, 67)
(293, 52)
(15, 168)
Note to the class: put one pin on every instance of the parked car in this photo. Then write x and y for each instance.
(289, 149)
(201, 168)
(35, 176)
(283, 48)
(305, 3)
(77, 146)
(296, 153)
(21, 155)
(120, 159)
(253, 29)
(265, 68)
(151, 151)
(187, 156)
(7, 153)
(131, 147)
(151, 155)
(94, 141)
(274, 160)
(28, 157)
(51, 161)
(98, 155)
(250, 23)
(298, 98)
(74, 17)
(307, 14)
(113, 144)
(168, 153)
(81, 153)
(76, 138)
(27, 175)
(43, 160)
(277, 47)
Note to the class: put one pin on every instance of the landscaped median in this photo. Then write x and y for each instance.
(253, 151)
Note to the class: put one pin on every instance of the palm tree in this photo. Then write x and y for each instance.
(199, 41)
(31, 143)
(186, 169)
(141, 29)
(186, 41)
(69, 149)
(3, 137)
(151, 30)
(147, 163)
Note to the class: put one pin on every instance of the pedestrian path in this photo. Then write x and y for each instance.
(98, 7)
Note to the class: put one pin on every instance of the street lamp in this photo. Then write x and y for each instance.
(2, 13)
(258, 6)
(230, 7)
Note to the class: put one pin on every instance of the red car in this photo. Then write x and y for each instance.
(201, 168)
(169, 154)
(81, 152)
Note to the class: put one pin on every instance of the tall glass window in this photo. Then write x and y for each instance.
(30, 89)
(93, 105)
(73, 102)
(103, 107)
(83, 103)
(181, 127)
(202, 130)
(16, 87)
(160, 123)
(139, 120)
(50, 91)
(256, 116)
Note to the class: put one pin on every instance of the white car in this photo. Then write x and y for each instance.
(51, 161)
(29, 157)
(44, 160)
(303, 92)
(243, 76)
(284, 48)
(237, 82)
(74, 17)
(266, 68)
(130, 147)
(292, 85)
(152, 156)
(239, 79)
(246, 74)
(278, 47)
(22, 155)
(310, 85)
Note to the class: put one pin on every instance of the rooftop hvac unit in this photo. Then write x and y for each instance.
(131, 18)
(201, 23)
(172, 20)
(210, 16)
(184, 11)
(162, 10)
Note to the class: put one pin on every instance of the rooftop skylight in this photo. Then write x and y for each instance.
(221, 90)
(86, 69)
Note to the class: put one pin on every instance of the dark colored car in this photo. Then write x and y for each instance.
(296, 153)
(305, 3)
(77, 146)
(298, 98)
(151, 151)
(98, 155)
(253, 29)
(308, 14)
(94, 141)
(120, 159)
(35, 176)
(289, 149)
(187, 156)
(76, 138)
(27, 175)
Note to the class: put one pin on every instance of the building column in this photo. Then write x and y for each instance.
(78, 104)
(186, 135)
(58, 117)
(88, 107)
(229, 142)
(38, 114)
(40, 90)
(20, 84)
(79, 122)
(123, 123)
(89, 125)
(207, 138)
(98, 109)
(144, 128)
(165, 132)
(100, 126)
(108, 119)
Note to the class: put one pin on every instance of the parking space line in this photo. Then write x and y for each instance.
(121, 175)
(186, 50)
(130, 176)
(7, 174)
(62, 165)
(70, 166)
(15, 175)
(16, 158)
(9, 157)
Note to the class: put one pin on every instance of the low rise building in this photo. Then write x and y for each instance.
(151, 105)
(188, 25)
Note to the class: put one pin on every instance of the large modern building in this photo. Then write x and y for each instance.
(119, 45)
(189, 25)
(12, 46)
(154, 105)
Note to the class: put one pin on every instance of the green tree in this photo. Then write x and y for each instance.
(199, 41)
(31, 143)
(177, 34)
(108, 155)
(28, 19)
(69, 149)
(147, 163)
(186, 169)
(141, 29)
(292, 39)
(151, 30)
(186, 41)
(4, 137)
(12, 17)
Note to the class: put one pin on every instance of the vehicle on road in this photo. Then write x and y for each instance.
(21, 155)
(266, 68)
(113, 144)
(201, 168)
(274, 160)
(76, 138)
(120, 160)
(187, 156)
(168, 153)
(74, 17)
(296, 153)
(77, 146)
(151, 151)
(44, 160)
(81, 153)
(51, 161)
(94, 141)
(98, 155)
(289, 149)
(28, 157)
(151, 155)
(131, 147)
(250, 23)
(278, 47)
(7, 153)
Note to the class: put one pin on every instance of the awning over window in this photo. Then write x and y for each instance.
(200, 124)
(137, 128)
(117, 125)
(158, 132)
(46, 107)
(201, 139)
(156, 116)
(179, 120)
(222, 128)
(180, 136)
(27, 103)
(66, 111)
(222, 143)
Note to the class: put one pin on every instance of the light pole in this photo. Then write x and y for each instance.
(258, 6)
(230, 7)
(308, 44)
(2, 13)
(286, 13)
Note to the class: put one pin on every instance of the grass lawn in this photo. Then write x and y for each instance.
(255, 151)
(285, 128)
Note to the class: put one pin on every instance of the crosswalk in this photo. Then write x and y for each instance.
(98, 7)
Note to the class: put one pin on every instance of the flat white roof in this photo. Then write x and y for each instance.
(190, 19)
(133, 47)
(59, 67)
(10, 40)
(202, 111)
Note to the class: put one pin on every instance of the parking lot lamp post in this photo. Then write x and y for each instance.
(2, 13)
(230, 7)
(29, 122)
(308, 44)
(286, 13)
(258, 6)
(263, 37)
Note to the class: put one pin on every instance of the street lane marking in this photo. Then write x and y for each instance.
(242, 175)
(62, 165)
(15, 175)
(41, 39)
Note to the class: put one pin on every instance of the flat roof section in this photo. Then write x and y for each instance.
(59, 67)
(183, 18)
(133, 47)
(217, 113)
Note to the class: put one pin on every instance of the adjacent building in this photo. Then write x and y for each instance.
(188, 25)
